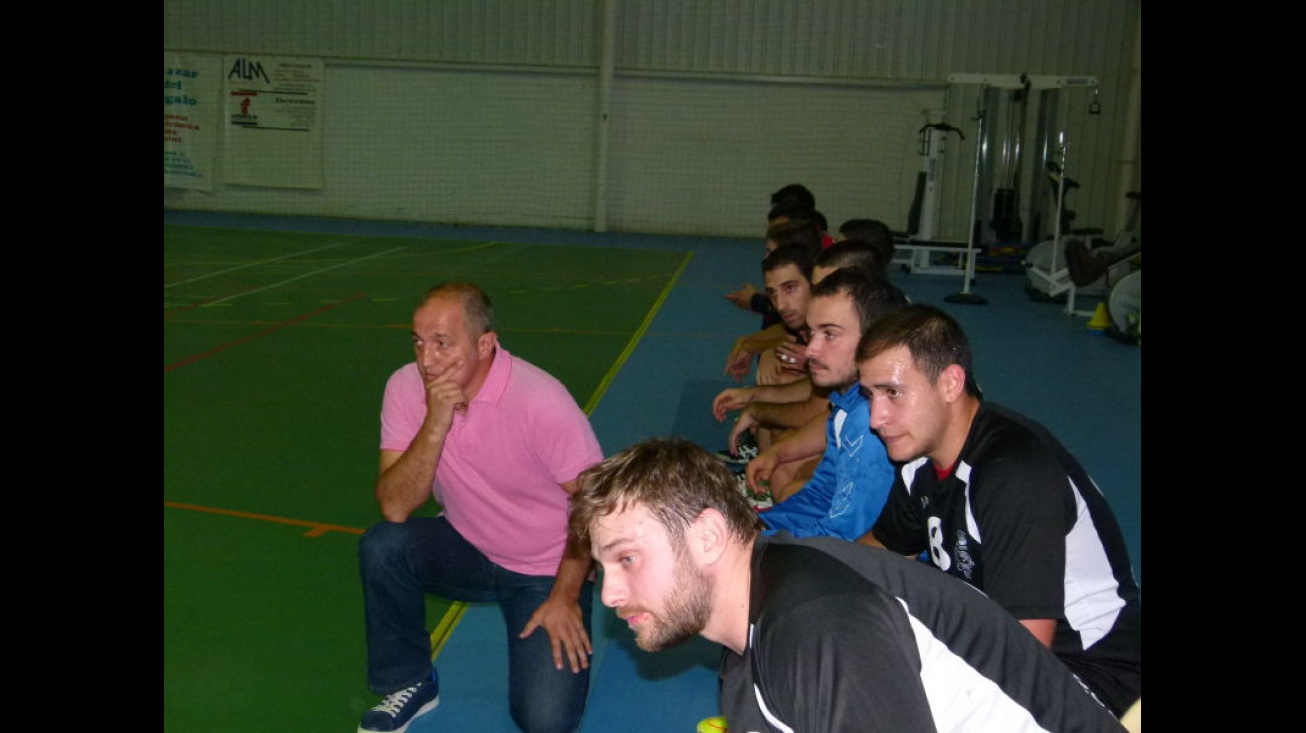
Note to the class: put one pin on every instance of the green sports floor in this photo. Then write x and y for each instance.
(279, 335)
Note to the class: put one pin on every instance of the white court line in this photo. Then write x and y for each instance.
(254, 264)
(299, 277)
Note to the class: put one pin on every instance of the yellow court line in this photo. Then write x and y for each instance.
(443, 630)
(602, 389)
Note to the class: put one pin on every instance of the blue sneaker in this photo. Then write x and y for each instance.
(399, 709)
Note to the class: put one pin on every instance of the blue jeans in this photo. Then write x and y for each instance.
(402, 562)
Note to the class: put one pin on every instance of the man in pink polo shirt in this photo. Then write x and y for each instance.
(498, 443)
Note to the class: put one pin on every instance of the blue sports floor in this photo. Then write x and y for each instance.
(1031, 356)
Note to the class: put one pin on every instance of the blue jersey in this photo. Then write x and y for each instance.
(851, 484)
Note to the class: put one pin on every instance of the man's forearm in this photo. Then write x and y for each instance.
(573, 570)
(788, 414)
(404, 482)
(805, 442)
(789, 392)
(767, 338)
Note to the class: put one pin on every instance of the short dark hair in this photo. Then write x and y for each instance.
(872, 295)
(791, 210)
(790, 254)
(476, 304)
(794, 193)
(795, 231)
(934, 338)
(871, 230)
(856, 253)
(821, 222)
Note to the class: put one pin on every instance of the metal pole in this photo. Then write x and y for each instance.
(1061, 201)
(1057, 247)
(965, 296)
(607, 66)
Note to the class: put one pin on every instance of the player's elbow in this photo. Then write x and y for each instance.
(393, 509)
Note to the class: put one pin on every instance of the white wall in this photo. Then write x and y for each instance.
(487, 111)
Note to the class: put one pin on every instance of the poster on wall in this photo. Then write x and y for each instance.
(273, 121)
(190, 104)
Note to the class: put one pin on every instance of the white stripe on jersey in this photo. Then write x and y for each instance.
(909, 470)
(962, 699)
(1093, 599)
(840, 417)
(972, 527)
(766, 712)
(757, 692)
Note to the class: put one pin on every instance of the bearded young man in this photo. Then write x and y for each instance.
(820, 634)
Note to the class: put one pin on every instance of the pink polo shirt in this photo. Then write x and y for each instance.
(504, 459)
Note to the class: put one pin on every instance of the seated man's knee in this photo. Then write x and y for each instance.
(788, 489)
(540, 714)
(542, 698)
(783, 474)
(560, 725)
(382, 541)
(790, 478)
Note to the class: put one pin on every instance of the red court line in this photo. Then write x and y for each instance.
(439, 635)
(260, 334)
(315, 529)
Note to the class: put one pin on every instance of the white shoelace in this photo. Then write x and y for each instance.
(395, 701)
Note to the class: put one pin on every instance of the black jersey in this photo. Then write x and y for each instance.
(1021, 520)
(845, 637)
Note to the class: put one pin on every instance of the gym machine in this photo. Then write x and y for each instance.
(1010, 99)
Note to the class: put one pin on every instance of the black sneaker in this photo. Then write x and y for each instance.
(399, 709)
(759, 501)
(748, 450)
